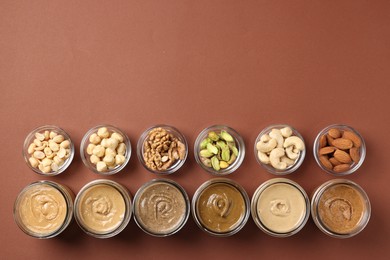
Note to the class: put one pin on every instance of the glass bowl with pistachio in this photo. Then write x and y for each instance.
(219, 150)
(162, 149)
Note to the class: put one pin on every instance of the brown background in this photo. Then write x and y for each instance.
(191, 64)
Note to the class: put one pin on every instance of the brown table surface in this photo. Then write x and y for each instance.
(191, 64)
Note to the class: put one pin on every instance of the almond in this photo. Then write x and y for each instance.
(325, 162)
(323, 141)
(342, 156)
(334, 132)
(341, 167)
(329, 139)
(355, 154)
(334, 161)
(342, 143)
(353, 137)
(326, 150)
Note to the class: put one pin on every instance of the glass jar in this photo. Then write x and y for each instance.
(108, 153)
(48, 150)
(160, 158)
(280, 207)
(103, 208)
(44, 209)
(287, 165)
(353, 155)
(220, 207)
(161, 207)
(340, 208)
(234, 147)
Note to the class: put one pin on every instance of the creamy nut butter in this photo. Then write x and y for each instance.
(44, 209)
(102, 208)
(340, 208)
(221, 207)
(161, 207)
(280, 207)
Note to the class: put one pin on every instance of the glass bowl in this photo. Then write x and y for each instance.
(340, 208)
(161, 207)
(234, 156)
(220, 207)
(352, 158)
(44, 209)
(280, 207)
(293, 164)
(101, 153)
(166, 149)
(48, 150)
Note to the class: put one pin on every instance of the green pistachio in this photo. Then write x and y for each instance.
(212, 149)
(213, 136)
(234, 150)
(221, 144)
(223, 164)
(204, 143)
(205, 153)
(215, 163)
(225, 154)
(227, 137)
(233, 157)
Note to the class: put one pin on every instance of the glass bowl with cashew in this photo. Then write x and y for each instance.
(280, 149)
(339, 149)
(162, 149)
(219, 150)
(48, 150)
(105, 149)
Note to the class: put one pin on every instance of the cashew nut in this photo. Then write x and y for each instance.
(294, 141)
(276, 134)
(291, 153)
(263, 157)
(287, 160)
(286, 131)
(266, 146)
(275, 159)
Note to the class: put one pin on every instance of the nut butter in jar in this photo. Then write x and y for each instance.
(103, 208)
(161, 207)
(280, 207)
(340, 208)
(44, 209)
(220, 207)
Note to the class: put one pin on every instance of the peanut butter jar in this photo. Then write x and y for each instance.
(220, 207)
(44, 209)
(103, 208)
(340, 208)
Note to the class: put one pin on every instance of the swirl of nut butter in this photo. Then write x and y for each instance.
(221, 204)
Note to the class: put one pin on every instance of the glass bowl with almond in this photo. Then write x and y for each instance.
(339, 149)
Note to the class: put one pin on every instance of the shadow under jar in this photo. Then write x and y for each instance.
(339, 149)
(105, 149)
(219, 150)
(161, 207)
(103, 208)
(44, 209)
(48, 150)
(162, 149)
(340, 208)
(220, 207)
(280, 207)
(280, 149)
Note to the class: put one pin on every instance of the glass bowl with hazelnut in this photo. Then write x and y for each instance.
(339, 149)
(48, 150)
(162, 149)
(105, 149)
(219, 150)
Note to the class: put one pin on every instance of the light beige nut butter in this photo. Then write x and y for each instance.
(161, 207)
(44, 209)
(221, 207)
(340, 208)
(102, 208)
